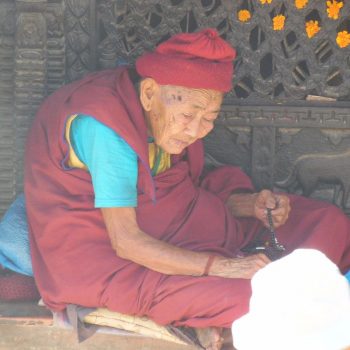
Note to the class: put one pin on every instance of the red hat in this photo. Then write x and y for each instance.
(194, 60)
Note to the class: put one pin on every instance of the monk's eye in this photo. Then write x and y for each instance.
(208, 121)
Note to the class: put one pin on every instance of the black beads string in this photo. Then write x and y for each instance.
(274, 241)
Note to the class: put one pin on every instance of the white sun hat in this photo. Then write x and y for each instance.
(299, 302)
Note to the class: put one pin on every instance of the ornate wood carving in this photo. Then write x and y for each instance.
(56, 59)
(77, 31)
(263, 153)
(271, 64)
(30, 72)
(7, 132)
(266, 126)
(296, 148)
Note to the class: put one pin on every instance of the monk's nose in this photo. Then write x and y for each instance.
(192, 128)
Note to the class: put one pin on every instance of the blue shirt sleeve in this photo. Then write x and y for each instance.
(111, 162)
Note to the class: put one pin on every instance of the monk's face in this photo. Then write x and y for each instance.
(178, 116)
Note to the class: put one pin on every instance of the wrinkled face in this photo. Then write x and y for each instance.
(178, 116)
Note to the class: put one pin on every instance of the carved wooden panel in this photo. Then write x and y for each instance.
(30, 74)
(47, 43)
(298, 148)
(271, 64)
(7, 127)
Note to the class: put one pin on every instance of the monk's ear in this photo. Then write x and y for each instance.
(148, 88)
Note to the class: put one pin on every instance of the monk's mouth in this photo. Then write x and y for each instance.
(180, 143)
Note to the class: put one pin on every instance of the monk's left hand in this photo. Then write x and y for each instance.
(278, 203)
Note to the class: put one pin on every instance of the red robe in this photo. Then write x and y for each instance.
(73, 260)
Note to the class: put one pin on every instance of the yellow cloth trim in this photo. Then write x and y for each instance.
(165, 161)
(73, 160)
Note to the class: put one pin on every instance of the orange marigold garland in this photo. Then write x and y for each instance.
(244, 15)
(312, 28)
(299, 4)
(343, 39)
(278, 22)
(333, 8)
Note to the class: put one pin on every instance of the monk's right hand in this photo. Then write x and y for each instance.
(244, 267)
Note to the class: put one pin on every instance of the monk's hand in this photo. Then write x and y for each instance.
(244, 267)
(278, 203)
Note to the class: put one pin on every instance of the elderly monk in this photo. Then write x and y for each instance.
(120, 214)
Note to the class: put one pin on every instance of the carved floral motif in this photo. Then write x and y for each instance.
(31, 30)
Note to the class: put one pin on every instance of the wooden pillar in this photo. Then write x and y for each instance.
(7, 69)
(80, 34)
(30, 73)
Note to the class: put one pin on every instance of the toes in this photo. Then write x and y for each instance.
(210, 338)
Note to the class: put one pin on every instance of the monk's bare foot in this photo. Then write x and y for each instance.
(210, 338)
